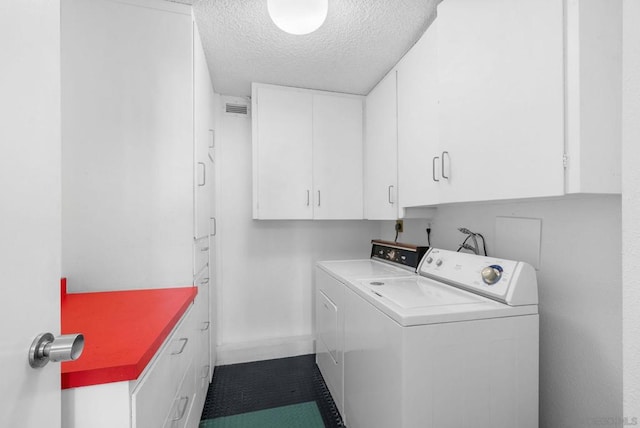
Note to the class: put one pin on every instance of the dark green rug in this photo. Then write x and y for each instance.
(303, 415)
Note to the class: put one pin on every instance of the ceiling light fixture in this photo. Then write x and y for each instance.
(298, 16)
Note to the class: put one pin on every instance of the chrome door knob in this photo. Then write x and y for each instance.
(46, 347)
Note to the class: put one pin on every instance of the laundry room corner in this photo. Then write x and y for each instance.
(266, 266)
(580, 306)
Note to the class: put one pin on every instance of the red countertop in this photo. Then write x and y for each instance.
(122, 330)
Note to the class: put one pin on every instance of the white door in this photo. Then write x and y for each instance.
(501, 75)
(381, 152)
(419, 162)
(337, 157)
(283, 138)
(30, 209)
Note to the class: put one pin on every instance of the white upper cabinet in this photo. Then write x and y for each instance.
(381, 151)
(418, 144)
(530, 95)
(337, 157)
(501, 112)
(307, 154)
(283, 153)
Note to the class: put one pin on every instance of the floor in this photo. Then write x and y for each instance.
(283, 393)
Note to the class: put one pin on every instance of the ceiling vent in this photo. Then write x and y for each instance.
(236, 109)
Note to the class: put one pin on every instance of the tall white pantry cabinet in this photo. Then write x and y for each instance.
(138, 202)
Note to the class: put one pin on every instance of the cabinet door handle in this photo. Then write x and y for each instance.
(184, 341)
(204, 174)
(204, 281)
(204, 249)
(212, 142)
(389, 191)
(442, 172)
(184, 409)
(215, 226)
(308, 197)
(318, 198)
(206, 326)
(433, 168)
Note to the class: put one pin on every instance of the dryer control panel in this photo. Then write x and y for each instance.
(398, 253)
(507, 281)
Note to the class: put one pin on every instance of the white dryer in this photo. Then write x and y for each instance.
(454, 346)
(388, 260)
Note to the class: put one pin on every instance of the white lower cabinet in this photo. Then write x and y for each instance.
(170, 392)
(181, 409)
(163, 396)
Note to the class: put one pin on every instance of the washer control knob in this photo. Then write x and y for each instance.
(429, 260)
(439, 262)
(491, 274)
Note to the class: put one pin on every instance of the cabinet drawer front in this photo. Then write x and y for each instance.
(202, 330)
(201, 254)
(182, 402)
(202, 279)
(181, 350)
(152, 397)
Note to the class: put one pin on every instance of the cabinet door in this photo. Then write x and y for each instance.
(337, 157)
(203, 180)
(418, 155)
(381, 152)
(282, 153)
(501, 98)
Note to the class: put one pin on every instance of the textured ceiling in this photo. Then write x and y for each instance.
(358, 44)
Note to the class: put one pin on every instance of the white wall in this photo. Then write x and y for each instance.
(631, 207)
(266, 267)
(127, 133)
(580, 298)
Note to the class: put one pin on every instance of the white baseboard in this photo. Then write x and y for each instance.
(233, 353)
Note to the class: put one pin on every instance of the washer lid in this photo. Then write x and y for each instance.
(417, 300)
(417, 292)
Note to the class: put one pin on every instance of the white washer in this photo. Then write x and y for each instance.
(454, 346)
(389, 260)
